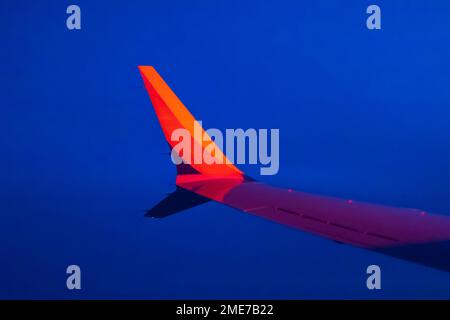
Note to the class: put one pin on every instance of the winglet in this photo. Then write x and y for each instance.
(172, 115)
(175, 202)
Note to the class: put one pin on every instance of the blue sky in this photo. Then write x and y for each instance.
(362, 114)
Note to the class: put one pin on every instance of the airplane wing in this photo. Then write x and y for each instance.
(409, 234)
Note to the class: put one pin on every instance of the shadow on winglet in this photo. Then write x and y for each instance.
(175, 202)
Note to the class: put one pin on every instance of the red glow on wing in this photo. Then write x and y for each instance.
(172, 115)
